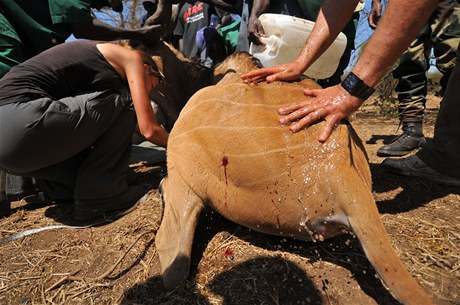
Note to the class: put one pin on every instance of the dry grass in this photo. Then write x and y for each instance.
(117, 263)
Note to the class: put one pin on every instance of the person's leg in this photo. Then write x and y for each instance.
(14, 120)
(103, 172)
(442, 153)
(412, 80)
(101, 184)
(18, 187)
(5, 207)
(446, 37)
(243, 41)
(46, 132)
(411, 89)
(11, 54)
(211, 46)
(58, 181)
(49, 133)
(217, 50)
(439, 159)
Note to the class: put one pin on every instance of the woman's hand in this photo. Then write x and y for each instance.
(331, 104)
(158, 136)
(287, 72)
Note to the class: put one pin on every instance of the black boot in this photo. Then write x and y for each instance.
(19, 187)
(411, 138)
(5, 208)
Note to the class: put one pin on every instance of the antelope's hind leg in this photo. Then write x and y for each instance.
(175, 237)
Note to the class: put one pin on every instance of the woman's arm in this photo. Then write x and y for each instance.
(130, 66)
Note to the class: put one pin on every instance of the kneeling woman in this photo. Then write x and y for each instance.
(66, 118)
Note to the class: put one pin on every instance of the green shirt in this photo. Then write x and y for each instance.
(310, 8)
(40, 24)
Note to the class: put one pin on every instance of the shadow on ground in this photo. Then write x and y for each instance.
(414, 192)
(265, 279)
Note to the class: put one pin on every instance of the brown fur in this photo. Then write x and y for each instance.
(182, 78)
(228, 151)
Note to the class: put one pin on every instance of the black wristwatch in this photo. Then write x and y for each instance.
(356, 87)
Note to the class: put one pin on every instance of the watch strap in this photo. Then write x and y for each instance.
(356, 87)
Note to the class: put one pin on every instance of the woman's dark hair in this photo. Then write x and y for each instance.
(151, 64)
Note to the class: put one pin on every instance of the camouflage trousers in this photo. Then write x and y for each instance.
(441, 35)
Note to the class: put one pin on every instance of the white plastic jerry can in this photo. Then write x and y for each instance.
(285, 38)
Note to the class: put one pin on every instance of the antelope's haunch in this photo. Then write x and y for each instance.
(227, 150)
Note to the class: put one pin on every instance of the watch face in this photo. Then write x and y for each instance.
(350, 83)
(356, 87)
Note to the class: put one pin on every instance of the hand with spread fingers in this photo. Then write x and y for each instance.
(331, 104)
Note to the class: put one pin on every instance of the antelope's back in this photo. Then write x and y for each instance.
(230, 135)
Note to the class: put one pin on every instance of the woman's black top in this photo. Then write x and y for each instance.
(65, 70)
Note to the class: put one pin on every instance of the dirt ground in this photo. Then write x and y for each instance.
(117, 262)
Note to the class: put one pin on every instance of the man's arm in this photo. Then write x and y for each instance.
(399, 26)
(98, 30)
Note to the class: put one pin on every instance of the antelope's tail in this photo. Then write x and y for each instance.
(366, 223)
